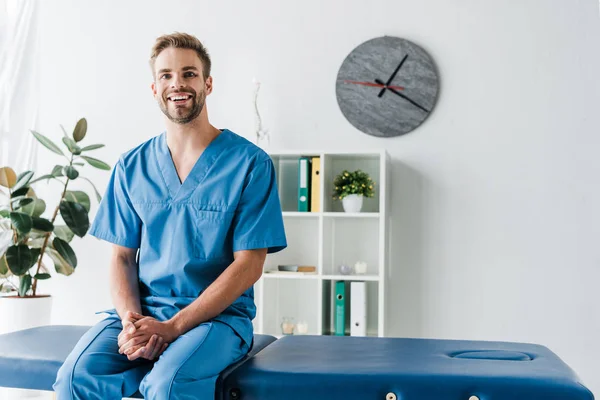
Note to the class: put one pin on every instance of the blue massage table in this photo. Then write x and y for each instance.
(335, 367)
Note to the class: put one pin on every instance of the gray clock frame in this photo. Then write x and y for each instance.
(387, 86)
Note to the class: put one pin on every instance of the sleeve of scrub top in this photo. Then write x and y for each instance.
(258, 221)
(116, 220)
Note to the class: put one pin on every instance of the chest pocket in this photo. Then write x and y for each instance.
(212, 234)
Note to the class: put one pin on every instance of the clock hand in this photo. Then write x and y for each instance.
(404, 97)
(393, 75)
(375, 85)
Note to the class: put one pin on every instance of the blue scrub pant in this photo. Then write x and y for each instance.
(188, 369)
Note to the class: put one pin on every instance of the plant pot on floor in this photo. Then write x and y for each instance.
(352, 203)
(17, 313)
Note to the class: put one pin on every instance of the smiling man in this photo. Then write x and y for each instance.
(191, 215)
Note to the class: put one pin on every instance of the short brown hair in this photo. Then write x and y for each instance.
(181, 41)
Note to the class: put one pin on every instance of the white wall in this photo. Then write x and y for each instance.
(495, 198)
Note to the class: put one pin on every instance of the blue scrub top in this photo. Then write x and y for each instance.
(187, 233)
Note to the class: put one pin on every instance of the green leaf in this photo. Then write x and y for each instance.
(60, 265)
(75, 216)
(16, 199)
(22, 181)
(21, 221)
(19, 259)
(57, 170)
(41, 178)
(80, 130)
(98, 197)
(24, 285)
(92, 147)
(94, 162)
(71, 172)
(42, 224)
(47, 143)
(8, 178)
(20, 192)
(64, 232)
(35, 209)
(3, 267)
(65, 251)
(4, 213)
(21, 201)
(79, 163)
(78, 197)
(42, 277)
(71, 145)
(35, 253)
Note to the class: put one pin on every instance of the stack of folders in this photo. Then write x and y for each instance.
(309, 184)
(354, 298)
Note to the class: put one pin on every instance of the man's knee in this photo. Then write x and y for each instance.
(157, 385)
(64, 377)
(73, 375)
(75, 378)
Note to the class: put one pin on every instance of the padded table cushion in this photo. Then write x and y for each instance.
(368, 368)
(30, 359)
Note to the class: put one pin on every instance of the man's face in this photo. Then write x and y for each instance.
(179, 86)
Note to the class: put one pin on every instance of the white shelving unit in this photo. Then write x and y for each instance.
(326, 239)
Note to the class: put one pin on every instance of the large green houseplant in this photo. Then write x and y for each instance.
(30, 235)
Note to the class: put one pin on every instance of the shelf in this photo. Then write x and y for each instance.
(276, 275)
(298, 214)
(303, 214)
(349, 240)
(351, 215)
(369, 334)
(352, 153)
(329, 310)
(326, 239)
(293, 299)
(351, 277)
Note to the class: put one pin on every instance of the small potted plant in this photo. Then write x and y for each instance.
(351, 188)
(31, 235)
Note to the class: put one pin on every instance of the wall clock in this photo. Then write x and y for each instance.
(387, 86)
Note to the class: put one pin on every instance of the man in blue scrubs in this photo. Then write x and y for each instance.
(192, 214)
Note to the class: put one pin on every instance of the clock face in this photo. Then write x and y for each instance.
(387, 86)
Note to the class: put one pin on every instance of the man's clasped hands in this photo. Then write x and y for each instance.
(144, 337)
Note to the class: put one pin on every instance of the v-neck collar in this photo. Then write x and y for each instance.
(197, 173)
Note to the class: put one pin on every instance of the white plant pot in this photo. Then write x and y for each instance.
(23, 313)
(352, 203)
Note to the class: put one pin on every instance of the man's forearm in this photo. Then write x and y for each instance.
(230, 285)
(124, 291)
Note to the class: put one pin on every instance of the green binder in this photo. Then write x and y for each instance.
(303, 183)
(340, 308)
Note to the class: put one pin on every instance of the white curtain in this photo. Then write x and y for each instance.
(19, 83)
